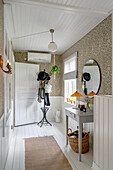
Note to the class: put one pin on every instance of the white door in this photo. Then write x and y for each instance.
(26, 87)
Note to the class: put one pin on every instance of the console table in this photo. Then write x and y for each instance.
(81, 117)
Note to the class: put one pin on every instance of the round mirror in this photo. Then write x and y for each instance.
(91, 77)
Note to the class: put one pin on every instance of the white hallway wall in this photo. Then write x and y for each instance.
(5, 138)
(7, 119)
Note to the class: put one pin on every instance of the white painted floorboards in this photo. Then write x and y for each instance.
(16, 156)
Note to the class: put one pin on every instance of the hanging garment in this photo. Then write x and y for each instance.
(39, 99)
(47, 91)
(47, 102)
(48, 88)
(41, 94)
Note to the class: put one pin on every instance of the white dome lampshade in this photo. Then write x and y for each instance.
(52, 45)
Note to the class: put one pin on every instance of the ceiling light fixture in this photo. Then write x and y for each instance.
(52, 45)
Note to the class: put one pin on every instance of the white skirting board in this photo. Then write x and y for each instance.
(95, 167)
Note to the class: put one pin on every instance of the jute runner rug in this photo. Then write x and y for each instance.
(43, 153)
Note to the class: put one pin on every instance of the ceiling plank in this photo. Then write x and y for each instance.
(66, 8)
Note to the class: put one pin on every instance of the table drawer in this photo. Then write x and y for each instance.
(70, 114)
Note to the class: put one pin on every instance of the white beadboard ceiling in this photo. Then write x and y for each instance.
(71, 20)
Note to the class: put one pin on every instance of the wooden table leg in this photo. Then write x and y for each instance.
(66, 129)
(80, 140)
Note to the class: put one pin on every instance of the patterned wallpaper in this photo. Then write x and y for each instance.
(1, 52)
(97, 45)
(57, 82)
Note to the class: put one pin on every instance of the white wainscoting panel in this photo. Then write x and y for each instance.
(1, 139)
(5, 140)
(55, 104)
(101, 142)
(103, 133)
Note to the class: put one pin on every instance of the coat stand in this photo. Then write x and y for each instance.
(44, 111)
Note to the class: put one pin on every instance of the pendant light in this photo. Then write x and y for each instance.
(52, 45)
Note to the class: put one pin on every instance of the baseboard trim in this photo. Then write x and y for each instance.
(95, 167)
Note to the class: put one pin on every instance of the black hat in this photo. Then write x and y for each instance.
(43, 76)
(48, 77)
(86, 76)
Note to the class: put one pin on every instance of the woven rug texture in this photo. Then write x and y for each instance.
(43, 153)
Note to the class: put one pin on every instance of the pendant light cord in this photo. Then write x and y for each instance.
(54, 64)
(37, 33)
(52, 36)
(54, 58)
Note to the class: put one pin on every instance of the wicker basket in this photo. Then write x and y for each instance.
(75, 144)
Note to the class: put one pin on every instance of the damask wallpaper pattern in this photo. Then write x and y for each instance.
(97, 45)
(57, 82)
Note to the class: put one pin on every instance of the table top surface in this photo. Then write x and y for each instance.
(80, 113)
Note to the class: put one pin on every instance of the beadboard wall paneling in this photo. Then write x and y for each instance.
(57, 82)
(103, 132)
(97, 45)
(1, 53)
(8, 110)
(1, 143)
(6, 93)
(5, 125)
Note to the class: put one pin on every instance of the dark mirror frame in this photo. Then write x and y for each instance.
(100, 76)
